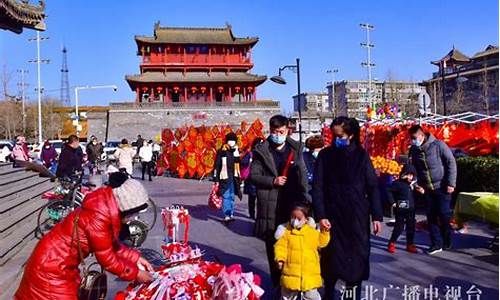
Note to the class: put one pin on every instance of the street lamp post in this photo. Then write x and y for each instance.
(332, 72)
(88, 87)
(280, 80)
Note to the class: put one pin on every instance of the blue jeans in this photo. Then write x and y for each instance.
(228, 199)
(438, 216)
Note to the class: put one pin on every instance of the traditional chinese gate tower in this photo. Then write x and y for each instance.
(194, 65)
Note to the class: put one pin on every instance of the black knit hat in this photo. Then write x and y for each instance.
(116, 179)
(231, 137)
(408, 169)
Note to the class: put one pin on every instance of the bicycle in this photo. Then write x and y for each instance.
(67, 196)
(70, 194)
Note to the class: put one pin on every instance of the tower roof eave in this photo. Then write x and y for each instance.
(454, 55)
(141, 39)
(194, 77)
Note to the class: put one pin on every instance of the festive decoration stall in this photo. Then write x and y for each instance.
(390, 140)
(189, 152)
(185, 275)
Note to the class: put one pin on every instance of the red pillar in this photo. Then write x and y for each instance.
(152, 95)
(230, 95)
(137, 94)
(244, 93)
(211, 97)
(185, 94)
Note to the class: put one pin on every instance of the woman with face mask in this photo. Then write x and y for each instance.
(227, 175)
(19, 152)
(346, 199)
(48, 155)
(52, 271)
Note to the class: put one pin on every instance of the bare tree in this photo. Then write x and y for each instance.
(11, 119)
(485, 90)
(458, 105)
(9, 113)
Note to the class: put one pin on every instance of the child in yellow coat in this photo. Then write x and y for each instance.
(296, 253)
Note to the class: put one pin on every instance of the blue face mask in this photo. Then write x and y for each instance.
(277, 139)
(341, 142)
(416, 142)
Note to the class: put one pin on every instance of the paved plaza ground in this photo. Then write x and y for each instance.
(469, 264)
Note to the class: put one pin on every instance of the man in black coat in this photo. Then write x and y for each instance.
(279, 175)
(345, 196)
(139, 143)
(94, 150)
(70, 159)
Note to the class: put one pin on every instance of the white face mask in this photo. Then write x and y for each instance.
(231, 143)
(296, 223)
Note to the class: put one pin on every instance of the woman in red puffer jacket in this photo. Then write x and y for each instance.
(52, 270)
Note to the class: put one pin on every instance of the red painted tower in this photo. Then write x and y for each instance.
(194, 65)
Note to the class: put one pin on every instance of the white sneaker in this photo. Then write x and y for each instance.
(227, 218)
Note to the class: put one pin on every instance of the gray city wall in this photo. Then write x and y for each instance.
(128, 123)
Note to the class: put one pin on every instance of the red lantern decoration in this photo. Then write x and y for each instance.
(220, 89)
(176, 89)
(250, 89)
(193, 89)
(144, 88)
(237, 89)
(159, 89)
(203, 89)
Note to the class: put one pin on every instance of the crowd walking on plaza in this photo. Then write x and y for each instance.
(339, 187)
(315, 209)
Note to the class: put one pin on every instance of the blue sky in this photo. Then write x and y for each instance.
(99, 36)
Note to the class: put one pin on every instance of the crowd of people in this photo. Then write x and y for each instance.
(73, 158)
(337, 185)
(314, 209)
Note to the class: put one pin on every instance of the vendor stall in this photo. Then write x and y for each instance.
(185, 275)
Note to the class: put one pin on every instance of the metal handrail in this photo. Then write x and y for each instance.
(437, 119)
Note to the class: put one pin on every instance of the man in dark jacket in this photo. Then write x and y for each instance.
(437, 174)
(94, 151)
(139, 143)
(227, 174)
(70, 159)
(279, 175)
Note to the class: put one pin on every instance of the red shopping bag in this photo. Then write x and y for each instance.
(214, 200)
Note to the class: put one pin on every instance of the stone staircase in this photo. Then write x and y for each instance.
(20, 202)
